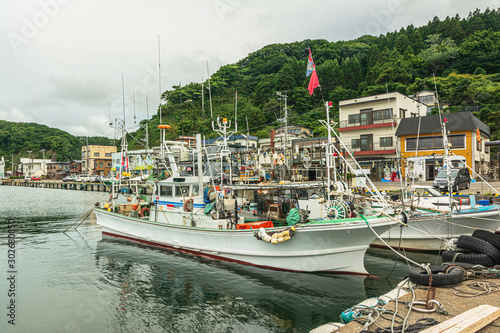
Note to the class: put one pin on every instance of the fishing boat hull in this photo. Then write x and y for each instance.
(336, 247)
(427, 233)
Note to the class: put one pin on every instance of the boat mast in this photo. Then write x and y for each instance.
(328, 151)
(200, 163)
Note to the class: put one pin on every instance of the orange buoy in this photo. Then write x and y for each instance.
(164, 126)
(129, 199)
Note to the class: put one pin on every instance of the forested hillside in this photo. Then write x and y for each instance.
(19, 138)
(462, 53)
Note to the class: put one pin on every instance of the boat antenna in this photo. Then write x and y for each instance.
(123, 101)
(180, 104)
(203, 107)
(109, 115)
(147, 123)
(418, 135)
(445, 146)
(159, 77)
(210, 98)
(248, 131)
(236, 113)
(133, 94)
(398, 152)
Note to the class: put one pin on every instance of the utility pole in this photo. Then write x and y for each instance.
(43, 161)
(282, 97)
(12, 167)
(29, 162)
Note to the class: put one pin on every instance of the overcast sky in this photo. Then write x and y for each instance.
(62, 61)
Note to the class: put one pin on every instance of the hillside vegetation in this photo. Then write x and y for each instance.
(461, 53)
(19, 138)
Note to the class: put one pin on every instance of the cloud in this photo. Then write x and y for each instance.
(72, 63)
(16, 116)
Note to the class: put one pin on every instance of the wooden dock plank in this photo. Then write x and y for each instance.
(467, 322)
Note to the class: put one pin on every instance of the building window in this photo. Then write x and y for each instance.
(434, 142)
(386, 142)
(354, 119)
(83, 154)
(96, 154)
(457, 141)
(109, 164)
(107, 154)
(366, 142)
(355, 143)
(83, 163)
(382, 114)
(101, 164)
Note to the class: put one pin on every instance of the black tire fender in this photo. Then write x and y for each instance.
(479, 246)
(420, 276)
(467, 257)
(488, 236)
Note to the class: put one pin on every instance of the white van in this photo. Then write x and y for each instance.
(85, 178)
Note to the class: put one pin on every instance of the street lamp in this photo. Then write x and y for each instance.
(29, 162)
(12, 167)
(43, 161)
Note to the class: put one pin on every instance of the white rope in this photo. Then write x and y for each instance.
(389, 247)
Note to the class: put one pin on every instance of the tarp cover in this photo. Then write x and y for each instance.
(255, 225)
(293, 216)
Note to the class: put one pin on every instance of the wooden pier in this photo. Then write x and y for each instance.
(73, 186)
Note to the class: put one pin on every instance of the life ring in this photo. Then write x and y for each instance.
(144, 212)
(188, 205)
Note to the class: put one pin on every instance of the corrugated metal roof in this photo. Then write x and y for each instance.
(459, 121)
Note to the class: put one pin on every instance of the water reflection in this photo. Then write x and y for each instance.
(216, 295)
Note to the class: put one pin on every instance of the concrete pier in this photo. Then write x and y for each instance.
(73, 186)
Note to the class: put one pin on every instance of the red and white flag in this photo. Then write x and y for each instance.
(311, 70)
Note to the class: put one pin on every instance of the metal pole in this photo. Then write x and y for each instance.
(286, 131)
(159, 76)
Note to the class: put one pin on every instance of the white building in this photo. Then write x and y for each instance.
(33, 166)
(367, 126)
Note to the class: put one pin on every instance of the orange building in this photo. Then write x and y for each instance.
(421, 144)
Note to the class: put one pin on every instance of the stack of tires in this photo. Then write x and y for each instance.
(482, 248)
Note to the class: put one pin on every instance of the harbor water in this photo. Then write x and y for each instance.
(79, 282)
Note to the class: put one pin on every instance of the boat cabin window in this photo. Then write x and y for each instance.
(166, 190)
(302, 195)
(181, 190)
(195, 190)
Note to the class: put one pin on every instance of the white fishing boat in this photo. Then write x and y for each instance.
(195, 216)
(431, 222)
(434, 219)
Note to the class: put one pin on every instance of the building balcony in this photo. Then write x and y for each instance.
(345, 125)
(367, 149)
